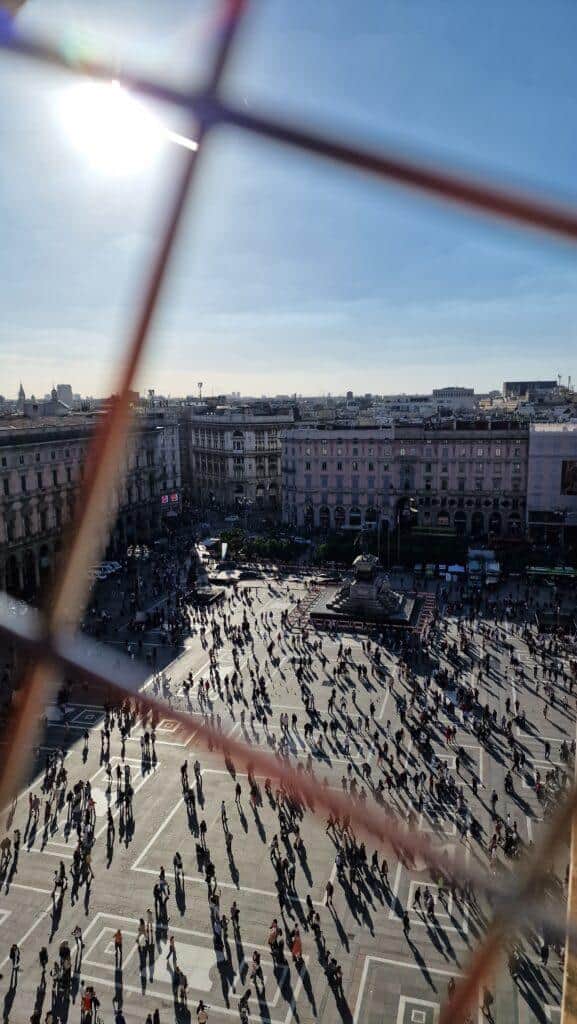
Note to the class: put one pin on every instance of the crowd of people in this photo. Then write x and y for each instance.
(395, 715)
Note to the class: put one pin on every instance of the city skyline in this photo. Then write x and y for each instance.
(209, 393)
(288, 269)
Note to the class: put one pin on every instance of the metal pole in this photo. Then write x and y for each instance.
(569, 1002)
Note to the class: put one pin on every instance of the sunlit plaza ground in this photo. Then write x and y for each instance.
(387, 976)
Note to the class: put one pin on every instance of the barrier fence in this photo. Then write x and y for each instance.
(49, 638)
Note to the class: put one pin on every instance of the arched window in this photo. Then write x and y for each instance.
(460, 522)
(477, 523)
(515, 526)
(355, 516)
(339, 517)
(324, 518)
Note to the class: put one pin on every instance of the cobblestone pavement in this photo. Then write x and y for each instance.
(387, 975)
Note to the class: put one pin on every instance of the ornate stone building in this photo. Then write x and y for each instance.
(470, 476)
(235, 456)
(41, 469)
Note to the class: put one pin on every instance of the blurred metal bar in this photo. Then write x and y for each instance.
(569, 1001)
(107, 448)
(50, 640)
(531, 876)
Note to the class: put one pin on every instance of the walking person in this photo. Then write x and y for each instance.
(118, 948)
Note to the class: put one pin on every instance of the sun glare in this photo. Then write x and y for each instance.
(117, 134)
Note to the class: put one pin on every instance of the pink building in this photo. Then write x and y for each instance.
(472, 478)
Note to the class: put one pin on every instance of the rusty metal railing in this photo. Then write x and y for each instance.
(49, 638)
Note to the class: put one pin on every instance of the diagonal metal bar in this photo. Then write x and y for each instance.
(389, 164)
(50, 638)
(531, 876)
(569, 1004)
(107, 449)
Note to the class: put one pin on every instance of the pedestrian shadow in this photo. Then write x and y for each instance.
(282, 975)
(259, 825)
(226, 972)
(303, 972)
(233, 870)
(39, 999)
(180, 895)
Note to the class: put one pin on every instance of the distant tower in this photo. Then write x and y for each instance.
(21, 397)
(200, 391)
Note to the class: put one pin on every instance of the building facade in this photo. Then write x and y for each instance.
(42, 466)
(235, 457)
(552, 481)
(471, 477)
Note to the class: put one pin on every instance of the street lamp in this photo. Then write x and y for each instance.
(137, 554)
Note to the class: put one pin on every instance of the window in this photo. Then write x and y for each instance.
(323, 466)
(497, 452)
(339, 451)
(307, 465)
(461, 467)
(402, 451)
(480, 452)
(6, 485)
(480, 467)
(68, 475)
(37, 456)
(39, 480)
(339, 467)
(386, 467)
(516, 467)
(308, 450)
(355, 467)
(370, 451)
(52, 455)
(67, 451)
(428, 467)
(355, 451)
(444, 485)
(461, 485)
(55, 477)
(21, 460)
(23, 483)
(371, 467)
(478, 485)
(4, 463)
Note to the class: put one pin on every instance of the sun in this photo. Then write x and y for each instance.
(118, 135)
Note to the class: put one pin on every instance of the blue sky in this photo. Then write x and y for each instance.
(292, 275)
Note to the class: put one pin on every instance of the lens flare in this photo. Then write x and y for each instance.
(114, 131)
